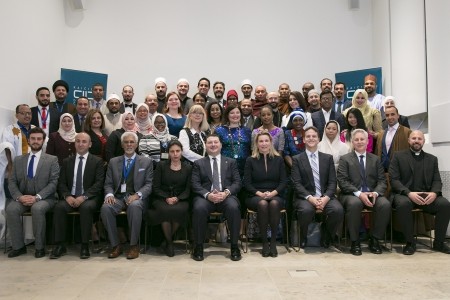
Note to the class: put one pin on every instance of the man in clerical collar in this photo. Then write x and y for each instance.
(60, 90)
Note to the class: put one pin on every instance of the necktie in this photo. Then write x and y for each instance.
(216, 182)
(129, 105)
(362, 169)
(389, 137)
(44, 118)
(316, 175)
(97, 105)
(30, 167)
(82, 123)
(128, 164)
(339, 108)
(79, 182)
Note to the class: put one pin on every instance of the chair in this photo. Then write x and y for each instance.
(318, 214)
(416, 212)
(25, 214)
(286, 228)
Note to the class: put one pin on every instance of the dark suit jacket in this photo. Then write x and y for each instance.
(319, 121)
(54, 118)
(143, 176)
(122, 108)
(45, 179)
(303, 178)
(250, 122)
(202, 176)
(349, 176)
(347, 104)
(67, 108)
(93, 177)
(401, 173)
(76, 120)
(257, 179)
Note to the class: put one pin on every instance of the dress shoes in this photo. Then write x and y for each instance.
(265, 251)
(58, 251)
(38, 253)
(84, 252)
(355, 249)
(116, 251)
(325, 237)
(235, 253)
(374, 246)
(197, 254)
(15, 253)
(409, 249)
(133, 252)
(273, 249)
(168, 250)
(441, 247)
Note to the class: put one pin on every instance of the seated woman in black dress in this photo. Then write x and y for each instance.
(171, 193)
(265, 180)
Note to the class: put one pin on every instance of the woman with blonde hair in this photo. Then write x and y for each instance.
(265, 181)
(193, 135)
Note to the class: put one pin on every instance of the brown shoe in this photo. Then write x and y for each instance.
(133, 252)
(116, 251)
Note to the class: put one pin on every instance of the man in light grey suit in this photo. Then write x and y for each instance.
(33, 185)
(128, 185)
(362, 181)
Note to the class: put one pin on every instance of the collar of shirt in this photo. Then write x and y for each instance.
(395, 126)
(326, 112)
(37, 155)
(309, 153)
(84, 155)
(133, 157)
(359, 154)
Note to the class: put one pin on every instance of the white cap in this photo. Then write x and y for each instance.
(246, 81)
(113, 96)
(182, 80)
(160, 79)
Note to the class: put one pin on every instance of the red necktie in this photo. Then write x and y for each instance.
(44, 118)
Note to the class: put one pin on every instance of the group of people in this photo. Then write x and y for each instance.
(178, 155)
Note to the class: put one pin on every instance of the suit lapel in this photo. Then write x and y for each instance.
(223, 168)
(71, 169)
(307, 166)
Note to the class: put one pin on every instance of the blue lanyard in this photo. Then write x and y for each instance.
(46, 116)
(24, 130)
(126, 171)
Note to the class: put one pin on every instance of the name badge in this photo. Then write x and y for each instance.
(123, 188)
(164, 155)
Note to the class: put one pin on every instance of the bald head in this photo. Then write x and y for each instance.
(82, 143)
(416, 140)
(260, 93)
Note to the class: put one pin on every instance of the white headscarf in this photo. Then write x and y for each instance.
(68, 136)
(164, 135)
(335, 147)
(124, 115)
(144, 126)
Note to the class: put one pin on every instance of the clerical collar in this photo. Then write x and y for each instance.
(415, 153)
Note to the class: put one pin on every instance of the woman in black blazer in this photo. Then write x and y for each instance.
(265, 180)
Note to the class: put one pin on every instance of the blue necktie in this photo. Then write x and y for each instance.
(30, 167)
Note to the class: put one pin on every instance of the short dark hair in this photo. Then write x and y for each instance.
(340, 82)
(174, 143)
(219, 82)
(82, 97)
(326, 93)
(19, 106)
(204, 78)
(312, 128)
(37, 130)
(98, 84)
(227, 113)
(211, 135)
(326, 79)
(396, 109)
(40, 89)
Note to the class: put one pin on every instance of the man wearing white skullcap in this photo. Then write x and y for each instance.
(161, 90)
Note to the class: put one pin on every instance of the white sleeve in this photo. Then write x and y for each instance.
(187, 152)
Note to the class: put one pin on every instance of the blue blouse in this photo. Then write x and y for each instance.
(175, 125)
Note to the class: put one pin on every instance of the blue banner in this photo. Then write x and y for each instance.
(355, 80)
(80, 83)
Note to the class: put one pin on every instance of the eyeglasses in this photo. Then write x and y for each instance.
(24, 113)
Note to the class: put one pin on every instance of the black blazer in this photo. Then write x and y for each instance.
(76, 120)
(122, 108)
(347, 103)
(54, 118)
(257, 179)
(319, 121)
(303, 178)
(93, 177)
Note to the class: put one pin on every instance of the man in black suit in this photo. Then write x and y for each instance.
(340, 103)
(314, 179)
(127, 104)
(416, 183)
(80, 116)
(362, 181)
(215, 183)
(80, 188)
(43, 115)
(246, 108)
(321, 117)
(60, 89)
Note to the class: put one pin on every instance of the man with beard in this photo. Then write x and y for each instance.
(247, 89)
(321, 117)
(43, 115)
(60, 90)
(326, 84)
(416, 183)
(219, 90)
(152, 103)
(306, 88)
(314, 101)
(33, 186)
(246, 109)
(97, 95)
(80, 115)
(203, 88)
(260, 99)
(127, 104)
(284, 91)
(272, 100)
(370, 85)
(161, 91)
(183, 90)
(113, 117)
(340, 102)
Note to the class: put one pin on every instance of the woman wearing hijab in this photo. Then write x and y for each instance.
(113, 145)
(62, 143)
(331, 142)
(142, 120)
(295, 135)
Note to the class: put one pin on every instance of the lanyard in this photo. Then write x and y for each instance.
(126, 171)
(44, 121)
(24, 130)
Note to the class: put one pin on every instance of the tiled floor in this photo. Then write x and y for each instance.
(315, 274)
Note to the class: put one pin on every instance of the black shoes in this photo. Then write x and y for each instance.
(168, 249)
(325, 237)
(84, 252)
(356, 248)
(197, 254)
(38, 253)
(57, 252)
(15, 253)
(374, 246)
(235, 253)
(441, 247)
(273, 249)
(265, 251)
(409, 249)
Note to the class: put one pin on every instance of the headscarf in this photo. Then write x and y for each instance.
(162, 136)
(144, 126)
(335, 147)
(366, 110)
(124, 115)
(68, 136)
(298, 113)
(392, 98)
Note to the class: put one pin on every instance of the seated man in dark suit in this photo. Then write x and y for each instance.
(322, 116)
(314, 180)
(80, 188)
(128, 185)
(416, 183)
(33, 186)
(362, 181)
(215, 189)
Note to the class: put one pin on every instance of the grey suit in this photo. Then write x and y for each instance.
(142, 182)
(44, 183)
(349, 180)
(202, 180)
(303, 181)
